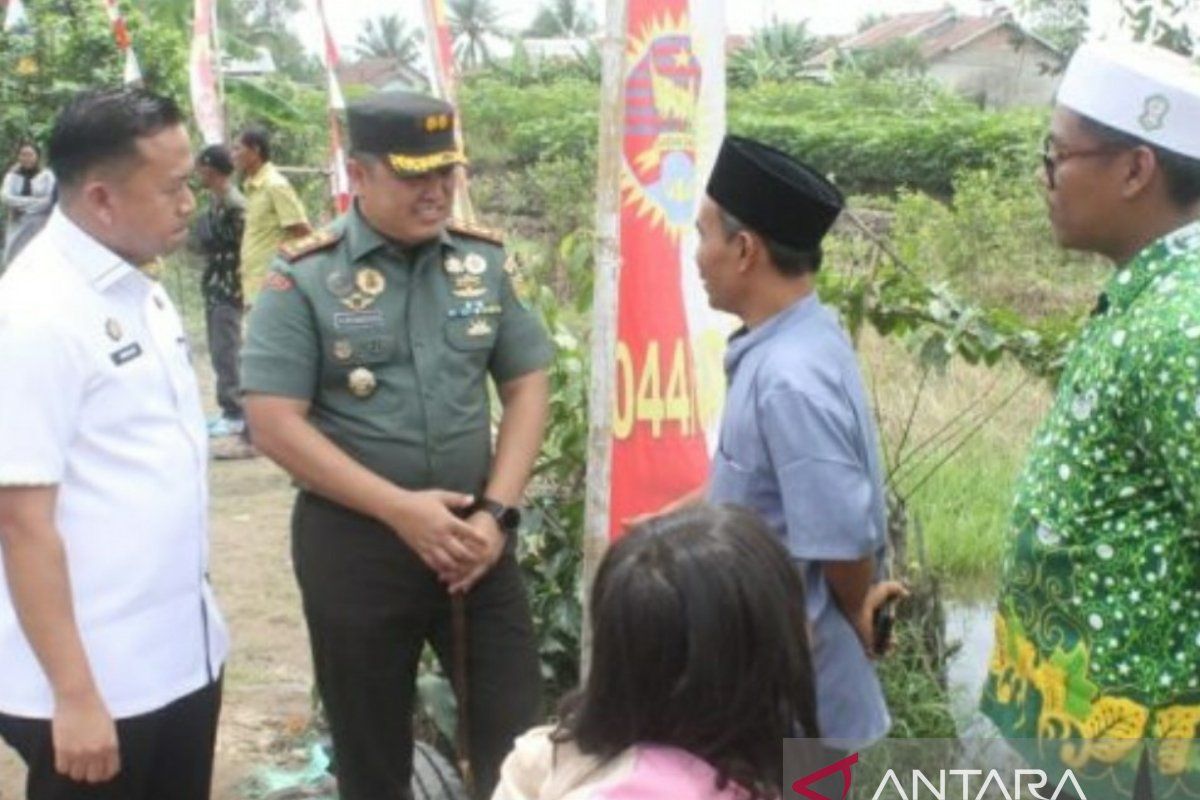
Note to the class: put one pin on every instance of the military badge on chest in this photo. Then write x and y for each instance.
(358, 292)
(466, 275)
(361, 382)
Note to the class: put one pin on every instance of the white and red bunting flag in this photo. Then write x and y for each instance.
(14, 16)
(203, 73)
(443, 77)
(132, 72)
(339, 179)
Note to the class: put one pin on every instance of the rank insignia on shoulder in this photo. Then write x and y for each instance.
(313, 243)
(278, 282)
(473, 231)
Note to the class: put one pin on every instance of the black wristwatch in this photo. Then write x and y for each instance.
(507, 517)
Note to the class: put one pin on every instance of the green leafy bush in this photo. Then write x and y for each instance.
(873, 136)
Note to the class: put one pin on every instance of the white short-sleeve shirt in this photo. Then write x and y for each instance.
(98, 397)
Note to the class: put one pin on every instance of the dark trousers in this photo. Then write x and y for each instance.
(371, 605)
(223, 323)
(167, 753)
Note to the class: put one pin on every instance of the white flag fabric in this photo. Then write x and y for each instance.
(203, 72)
(14, 16)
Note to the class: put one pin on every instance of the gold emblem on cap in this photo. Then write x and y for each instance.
(370, 282)
(475, 264)
(342, 350)
(113, 329)
(479, 327)
(453, 265)
(437, 122)
(361, 382)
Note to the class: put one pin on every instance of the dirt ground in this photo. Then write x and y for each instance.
(267, 679)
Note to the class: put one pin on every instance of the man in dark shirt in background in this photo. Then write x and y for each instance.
(219, 236)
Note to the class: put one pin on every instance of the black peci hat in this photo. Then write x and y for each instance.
(414, 132)
(774, 194)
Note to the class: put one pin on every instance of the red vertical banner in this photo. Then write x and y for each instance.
(659, 449)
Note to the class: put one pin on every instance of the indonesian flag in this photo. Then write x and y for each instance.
(206, 101)
(14, 16)
(133, 72)
(443, 77)
(669, 381)
(339, 181)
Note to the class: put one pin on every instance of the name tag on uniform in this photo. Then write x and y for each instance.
(126, 354)
(357, 320)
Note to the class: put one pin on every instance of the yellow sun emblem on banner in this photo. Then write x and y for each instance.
(662, 117)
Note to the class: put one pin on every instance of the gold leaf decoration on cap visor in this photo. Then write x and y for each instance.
(418, 164)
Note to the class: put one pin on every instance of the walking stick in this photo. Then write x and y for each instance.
(458, 613)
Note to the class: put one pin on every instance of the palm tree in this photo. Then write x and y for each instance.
(471, 23)
(562, 18)
(776, 52)
(388, 36)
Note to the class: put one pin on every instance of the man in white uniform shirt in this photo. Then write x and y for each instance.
(111, 647)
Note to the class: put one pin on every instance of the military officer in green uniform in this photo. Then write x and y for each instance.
(365, 372)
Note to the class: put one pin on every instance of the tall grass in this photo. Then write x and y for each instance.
(960, 506)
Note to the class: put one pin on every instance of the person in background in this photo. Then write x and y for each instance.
(28, 195)
(111, 645)
(798, 442)
(274, 214)
(1097, 649)
(701, 666)
(219, 235)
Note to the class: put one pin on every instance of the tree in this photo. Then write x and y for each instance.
(562, 18)
(776, 52)
(900, 56)
(1168, 23)
(1062, 23)
(472, 22)
(68, 46)
(388, 36)
(870, 20)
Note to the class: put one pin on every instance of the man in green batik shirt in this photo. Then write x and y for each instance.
(1096, 665)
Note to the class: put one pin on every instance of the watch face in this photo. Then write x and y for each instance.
(509, 519)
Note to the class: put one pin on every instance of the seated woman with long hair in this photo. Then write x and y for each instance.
(700, 667)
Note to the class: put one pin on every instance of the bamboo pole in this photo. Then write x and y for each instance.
(604, 307)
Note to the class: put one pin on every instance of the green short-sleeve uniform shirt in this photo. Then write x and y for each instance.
(1098, 633)
(393, 347)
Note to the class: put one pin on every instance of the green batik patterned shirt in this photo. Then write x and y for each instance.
(1098, 632)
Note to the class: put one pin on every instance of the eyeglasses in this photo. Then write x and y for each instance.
(1053, 157)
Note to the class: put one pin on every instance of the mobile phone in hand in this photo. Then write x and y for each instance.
(883, 622)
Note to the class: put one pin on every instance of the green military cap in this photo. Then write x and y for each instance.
(414, 132)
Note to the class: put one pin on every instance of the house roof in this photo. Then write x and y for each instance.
(376, 72)
(936, 33)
